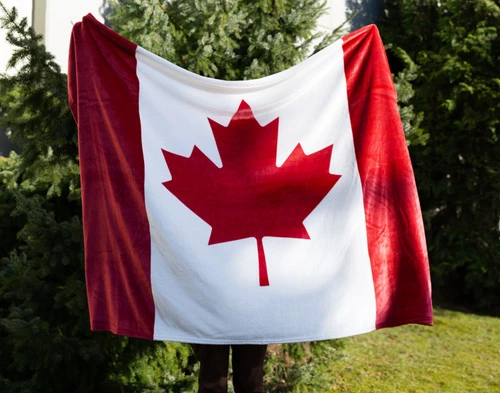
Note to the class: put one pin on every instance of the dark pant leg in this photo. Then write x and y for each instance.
(248, 368)
(214, 364)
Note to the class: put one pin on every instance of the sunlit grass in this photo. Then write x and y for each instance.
(459, 354)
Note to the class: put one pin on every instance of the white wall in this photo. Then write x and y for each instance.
(60, 16)
(335, 16)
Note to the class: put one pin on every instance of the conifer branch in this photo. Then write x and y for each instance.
(165, 11)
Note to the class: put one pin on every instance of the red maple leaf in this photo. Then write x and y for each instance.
(250, 196)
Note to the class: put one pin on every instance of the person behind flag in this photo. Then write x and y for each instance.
(164, 262)
(247, 364)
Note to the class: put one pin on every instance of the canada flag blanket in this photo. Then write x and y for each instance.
(281, 209)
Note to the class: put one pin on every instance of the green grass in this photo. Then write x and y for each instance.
(459, 354)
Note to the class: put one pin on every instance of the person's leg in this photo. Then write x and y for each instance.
(248, 368)
(214, 363)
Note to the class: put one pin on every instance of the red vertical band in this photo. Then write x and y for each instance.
(104, 97)
(396, 240)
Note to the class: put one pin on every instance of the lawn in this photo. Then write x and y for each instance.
(459, 354)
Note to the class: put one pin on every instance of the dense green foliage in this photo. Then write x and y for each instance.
(224, 39)
(454, 46)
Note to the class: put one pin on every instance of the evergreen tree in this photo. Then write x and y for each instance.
(225, 39)
(455, 46)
